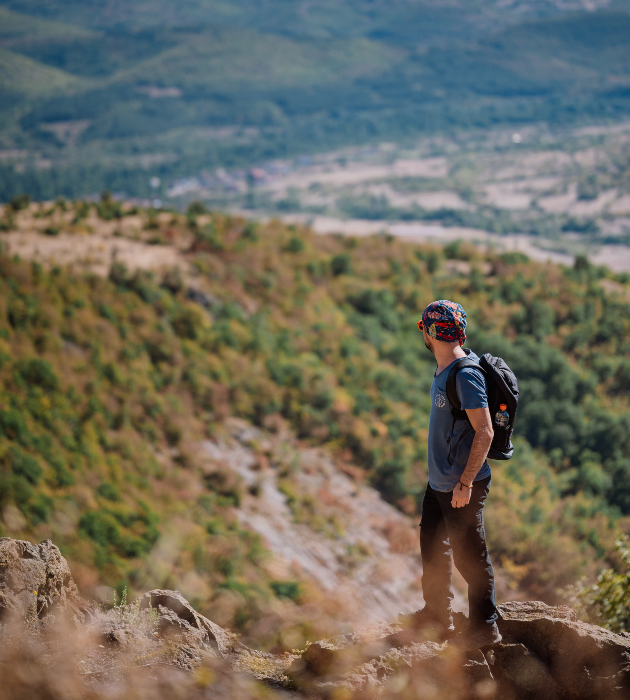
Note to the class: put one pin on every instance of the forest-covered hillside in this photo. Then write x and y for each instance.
(100, 94)
(107, 384)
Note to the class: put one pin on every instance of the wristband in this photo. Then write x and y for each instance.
(464, 485)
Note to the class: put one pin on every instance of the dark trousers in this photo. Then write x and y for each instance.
(459, 533)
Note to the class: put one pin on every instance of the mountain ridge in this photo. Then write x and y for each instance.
(304, 92)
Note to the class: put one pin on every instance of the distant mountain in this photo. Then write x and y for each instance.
(133, 78)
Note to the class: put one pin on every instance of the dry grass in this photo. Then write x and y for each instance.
(56, 661)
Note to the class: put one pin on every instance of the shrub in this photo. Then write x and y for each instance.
(101, 527)
(227, 485)
(286, 373)
(514, 258)
(13, 426)
(453, 250)
(40, 509)
(20, 202)
(63, 477)
(108, 491)
(134, 547)
(208, 239)
(37, 372)
(107, 312)
(606, 601)
(196, 208)
(118, 274)
(341, 264)
(286, 589)
(189, 322)
(25, 465)
(108, 208)
(144, 285)
(389, 479)
(250, 232)
(295, 245)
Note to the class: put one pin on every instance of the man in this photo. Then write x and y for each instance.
(459, 480)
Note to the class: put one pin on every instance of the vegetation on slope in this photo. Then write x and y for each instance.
(106, 384)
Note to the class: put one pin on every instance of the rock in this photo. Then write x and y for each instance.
(363, 667)
(119, 636)
(583, 659)
(176, 616)
(339, 654)
(208, 301)
(35, 580)
(520, 675)
(478, 676)
(534, 610)
(546, 652)
(367, 679)
(317, 660)
(425, 669)
(320, 660)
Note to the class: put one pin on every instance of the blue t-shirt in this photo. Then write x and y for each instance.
(471, 389)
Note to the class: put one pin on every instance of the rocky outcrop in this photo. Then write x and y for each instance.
(546, 652)
(584, 661)
(428, 668)
(371, 663)
(35, 580)
(177, 618)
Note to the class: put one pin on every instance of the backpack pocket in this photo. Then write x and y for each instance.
(501, 440)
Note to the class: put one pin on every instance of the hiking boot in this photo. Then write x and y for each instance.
(478, 637)
(428, 625)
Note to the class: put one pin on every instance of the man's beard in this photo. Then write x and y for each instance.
(429, 345)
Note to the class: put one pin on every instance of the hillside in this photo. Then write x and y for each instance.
(205, 403)
(110, 94)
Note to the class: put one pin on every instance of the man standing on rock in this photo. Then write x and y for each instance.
(459, 480)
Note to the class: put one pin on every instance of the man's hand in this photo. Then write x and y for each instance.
(461, 496)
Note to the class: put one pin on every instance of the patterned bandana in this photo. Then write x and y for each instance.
(444, 320)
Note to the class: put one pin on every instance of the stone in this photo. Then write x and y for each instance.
(368, 678)
(581, 658)
(478, 677)
(520, 675)
(119, 636)
(35, 580)
(176, 616)
(373, 667)
(429, 669)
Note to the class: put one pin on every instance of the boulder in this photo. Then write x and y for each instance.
(324, 658)
(520, 675)
(371, 665)
(585, 661)
(177, 617)
(424, 668)
(35, 580)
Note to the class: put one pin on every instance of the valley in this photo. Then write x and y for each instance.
(550, 194)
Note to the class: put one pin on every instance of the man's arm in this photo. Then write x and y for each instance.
(482, 423)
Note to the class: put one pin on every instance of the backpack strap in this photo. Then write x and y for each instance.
(451, 386)
(451, 394)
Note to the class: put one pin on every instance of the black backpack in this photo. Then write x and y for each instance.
(502, 388)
